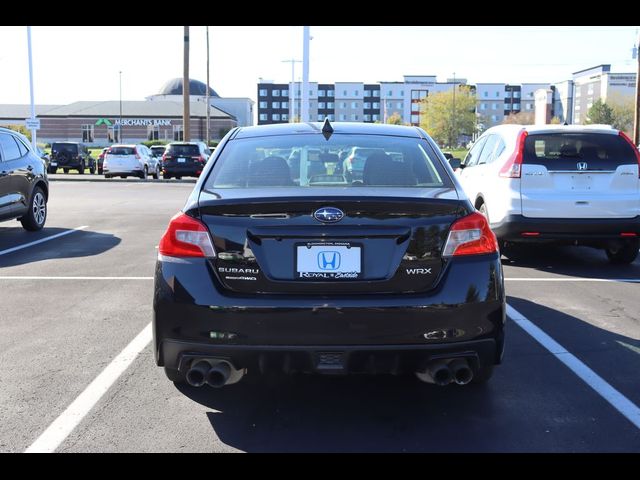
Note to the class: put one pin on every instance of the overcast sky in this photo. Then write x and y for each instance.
(82, 63)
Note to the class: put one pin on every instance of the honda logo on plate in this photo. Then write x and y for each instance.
(582, 166)
(329, 260)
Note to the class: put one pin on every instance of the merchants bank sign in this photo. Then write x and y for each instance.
(137, 122)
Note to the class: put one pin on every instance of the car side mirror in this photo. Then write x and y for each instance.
(455, 163)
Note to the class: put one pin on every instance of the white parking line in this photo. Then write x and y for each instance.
(62, 426)
(617, 400)
(42, 240)
(573, 279)
(16, 277)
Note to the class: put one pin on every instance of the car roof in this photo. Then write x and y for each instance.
(541, 129)
(353, 128)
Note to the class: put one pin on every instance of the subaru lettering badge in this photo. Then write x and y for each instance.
(582, 166)
(328, 214)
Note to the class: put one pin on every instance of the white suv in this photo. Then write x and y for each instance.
(574, 184)
(129, 160)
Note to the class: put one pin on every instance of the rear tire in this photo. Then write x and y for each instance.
(174, 375)
(81, 169)
(625, 254)
(123, 176)
(36, 217)
(65, 170)
(145, 173)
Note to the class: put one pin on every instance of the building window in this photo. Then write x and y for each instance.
(402, 93)
(275, 104)
(285, 93)
(343, 117)
(355, 105)
(367, 118)
(320, 117)
(322, 105)
(376, 93)
(516, 94)
(343, 104)
(355, 93)
(263, 104)
(528, 106)
(331, 117)
(275, 93)
(483, 106)
(516, 106)
(414, 95)
(494, 106)
(153, 132)
(399, 105)
(344, 93)
(311, 93)
(415, 118)
(113, 134)
(530, 94)
(263, 92)
(493, 118)
(376, 104)
(275, 117)
(367, 93)
(263, 116)
(284, 105)
(87, 133)
(497, 94)
(507, 106)
(322, 93)
(486, 94)
(507, 94)
(354, 116)
(329, 104)
(367, 105)
(389, 93)
(285, 117)
(331, 93)
(375, 117)
(178, 133)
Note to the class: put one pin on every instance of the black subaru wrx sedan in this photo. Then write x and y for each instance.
(289, 266)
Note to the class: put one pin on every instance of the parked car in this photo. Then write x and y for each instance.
(24, 188)
(100, 161)
(353, 165)
(129, 160)
(71, 156)
(572, 185)
(184, 159)
(157, 151)
(395, 273)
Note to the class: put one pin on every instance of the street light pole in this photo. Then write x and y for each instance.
(636, 115)
(33, 107)
(186, 115)
(207, 94)
(292, 96)
(453, 118)
(304, 108)
(120, 124)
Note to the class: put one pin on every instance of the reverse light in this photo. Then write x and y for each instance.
(186, 237)
(470, 235)
(635, 149)
(513, 166)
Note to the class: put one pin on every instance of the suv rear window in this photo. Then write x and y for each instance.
(121, 151)
(314, 161)
(64, 147)
(563, 151)
(186, 150)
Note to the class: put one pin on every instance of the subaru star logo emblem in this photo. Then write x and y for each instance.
(328, 214)
(582, 166)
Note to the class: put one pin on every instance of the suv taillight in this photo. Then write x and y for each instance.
(635, 149)
(470, 235)
(186, 237)
(135, 151)
(513, 166)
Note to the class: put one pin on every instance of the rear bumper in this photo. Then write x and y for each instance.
(190, 170)
(464, 315)
(513, 227)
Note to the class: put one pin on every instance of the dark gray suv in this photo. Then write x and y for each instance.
(24, 188)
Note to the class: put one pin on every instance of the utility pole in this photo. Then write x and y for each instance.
(186, 115)
(292, 95)
(119, 140)
(453, 113)
(207, 94)
(636, 115)
(304, 108)
(33, 106)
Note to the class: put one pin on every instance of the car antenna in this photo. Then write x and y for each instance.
(327, 129)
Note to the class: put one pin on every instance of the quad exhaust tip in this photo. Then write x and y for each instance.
(445, 371)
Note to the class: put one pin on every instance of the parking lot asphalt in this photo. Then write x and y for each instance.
(59, 334)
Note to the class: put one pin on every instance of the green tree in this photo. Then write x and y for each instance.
(600, 112)
(395, 119)
(520, 118)
(622, 107)
(555, 121)
(20, 129)
(440, 120)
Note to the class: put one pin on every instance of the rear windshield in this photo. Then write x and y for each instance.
(157, 150)
(121, 151)
(187, 150)
(64, 147)
(564, 151)
(314, 161)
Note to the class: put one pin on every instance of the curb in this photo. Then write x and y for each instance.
(88, 178)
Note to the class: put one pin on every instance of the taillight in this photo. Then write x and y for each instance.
(513, 166)
(135, 151)
(470, 235)
(186, 237)
(350, 159)
(635, 149)
(164, 157)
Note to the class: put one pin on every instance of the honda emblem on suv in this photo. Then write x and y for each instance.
(582, 166)
(328, 214)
